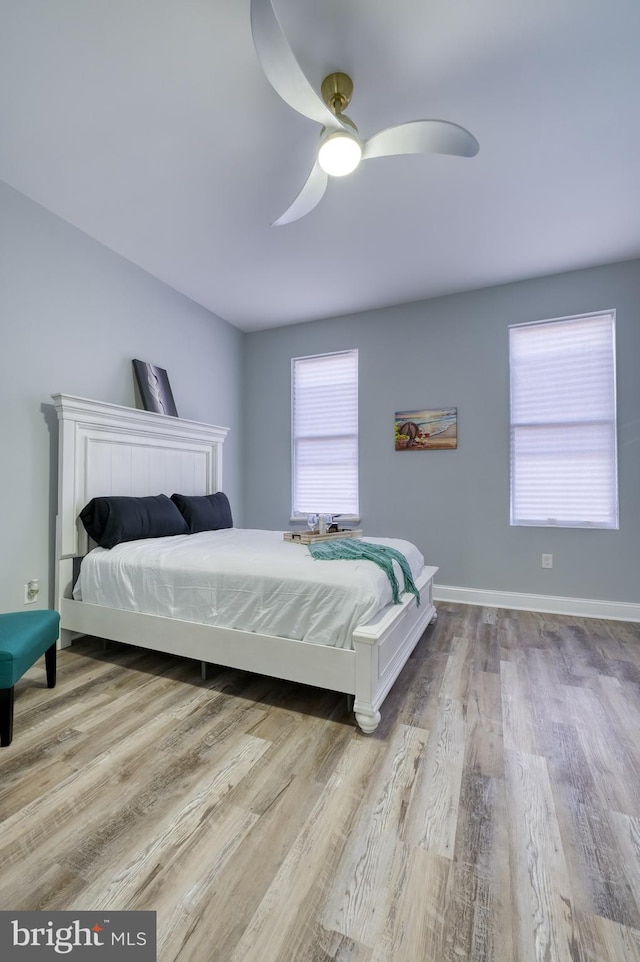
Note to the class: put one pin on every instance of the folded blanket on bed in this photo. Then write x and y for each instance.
(382, 555)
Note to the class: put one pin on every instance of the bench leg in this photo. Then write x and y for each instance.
(50, 662)
(6, 716)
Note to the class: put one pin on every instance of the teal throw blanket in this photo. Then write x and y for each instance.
(380, 554)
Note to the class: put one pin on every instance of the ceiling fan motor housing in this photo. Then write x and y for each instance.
(337, 91)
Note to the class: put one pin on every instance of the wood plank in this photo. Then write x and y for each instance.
(479, 913)
(433, 809)
(425, 672)
(548, 696)
(600, 940)
(622, 699)
(610, 762)
(518, 718)
(415, 926)
(486, 652)
(627, 832)
(539, 878)
(310, 537)
(484, 744)
(360, 901)
(592, 853)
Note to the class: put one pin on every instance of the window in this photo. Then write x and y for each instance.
(563, 422)
(325, 434)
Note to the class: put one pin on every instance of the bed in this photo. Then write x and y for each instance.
(109, 450)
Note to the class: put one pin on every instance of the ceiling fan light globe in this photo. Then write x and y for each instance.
(339, 153)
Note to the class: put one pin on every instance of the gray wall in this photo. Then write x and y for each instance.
(445, 352)
(72, 316)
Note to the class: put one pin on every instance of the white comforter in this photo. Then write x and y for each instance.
(243, 578)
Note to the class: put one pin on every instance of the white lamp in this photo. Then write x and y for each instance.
(340, 153)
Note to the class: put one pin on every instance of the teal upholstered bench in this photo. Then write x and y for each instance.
(24, 637)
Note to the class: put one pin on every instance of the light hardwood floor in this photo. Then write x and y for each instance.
(494, 815)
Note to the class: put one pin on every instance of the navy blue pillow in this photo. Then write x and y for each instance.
(110, 521)
(205, 512)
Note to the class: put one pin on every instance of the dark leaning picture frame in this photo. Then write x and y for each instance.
(155, 390)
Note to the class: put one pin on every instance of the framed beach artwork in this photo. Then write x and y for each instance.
(431, 430)
(155, 389)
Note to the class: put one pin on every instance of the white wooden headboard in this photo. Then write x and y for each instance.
(105, 449)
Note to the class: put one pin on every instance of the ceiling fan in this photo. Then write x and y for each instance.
(341, 149)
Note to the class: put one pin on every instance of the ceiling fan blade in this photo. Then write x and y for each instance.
(308, 198)
(281, 68)
(422, 137)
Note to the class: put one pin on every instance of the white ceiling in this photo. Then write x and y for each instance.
(149, 125)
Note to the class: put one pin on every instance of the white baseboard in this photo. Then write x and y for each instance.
(551, 604)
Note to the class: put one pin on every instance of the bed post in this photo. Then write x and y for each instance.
(66, 537)
(365, 710)
(383, 646)
(63, 589)
(368, 720)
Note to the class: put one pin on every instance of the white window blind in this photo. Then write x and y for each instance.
(325, 434)
(563, 422)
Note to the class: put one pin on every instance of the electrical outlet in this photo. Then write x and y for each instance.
(547, 561)
(31, 591)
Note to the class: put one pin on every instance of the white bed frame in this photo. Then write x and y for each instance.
(105, 449)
